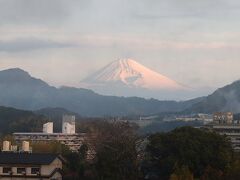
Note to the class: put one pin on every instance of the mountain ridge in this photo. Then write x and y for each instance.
(226, 98)
(32, 94)
(29, 93)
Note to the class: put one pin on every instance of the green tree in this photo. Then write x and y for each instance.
(187, 146)
(50, 147)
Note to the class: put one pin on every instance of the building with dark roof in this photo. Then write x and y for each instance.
(15, 165)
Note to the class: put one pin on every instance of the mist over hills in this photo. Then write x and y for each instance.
(22, 91)
(55, 113)
(226, 98)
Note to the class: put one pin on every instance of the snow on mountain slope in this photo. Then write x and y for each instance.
(132, 74)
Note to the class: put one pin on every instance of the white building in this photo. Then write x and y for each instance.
(48, 128)
(68, 136)
(68, 124)
(19, 166)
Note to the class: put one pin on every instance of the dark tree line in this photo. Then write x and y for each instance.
(187, 150)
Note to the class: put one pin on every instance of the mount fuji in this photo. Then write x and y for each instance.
(127, 77)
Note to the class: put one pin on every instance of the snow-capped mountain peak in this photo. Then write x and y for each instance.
(132, 74)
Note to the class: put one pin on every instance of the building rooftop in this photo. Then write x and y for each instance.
(27, 158)
(41, 133)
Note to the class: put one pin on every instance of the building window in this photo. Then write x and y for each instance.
(7, 170)
(35, 171)
(21, 170)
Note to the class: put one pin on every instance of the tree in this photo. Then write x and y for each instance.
(50, 147)
(190, 147)
(212, 174)
(116, 154)
(233, 172)
(182, 173)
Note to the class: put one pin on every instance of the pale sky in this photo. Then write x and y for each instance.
(196, 43)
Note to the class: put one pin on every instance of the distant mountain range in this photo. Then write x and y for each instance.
(126, 77)
(20, 90)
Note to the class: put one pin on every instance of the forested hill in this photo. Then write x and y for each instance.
(14, 120)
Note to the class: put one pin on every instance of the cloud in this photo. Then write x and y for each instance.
(149, 43)
(30, 44)
(181, 38)
(159, 9)
(48, 12)
(132, 43)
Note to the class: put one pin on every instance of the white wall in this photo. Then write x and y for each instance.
(48, 128)
(68, 124)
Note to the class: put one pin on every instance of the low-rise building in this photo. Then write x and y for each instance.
(73, 141)
(224, 124)
(68, 136)
(223, 118)
(18, 166)
(195, 117)
(231, 131)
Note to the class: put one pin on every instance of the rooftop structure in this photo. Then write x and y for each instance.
(48, 127)
(20, 163)
(7, 147)
(68, 124)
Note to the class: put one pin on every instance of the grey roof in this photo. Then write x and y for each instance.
(27, 158)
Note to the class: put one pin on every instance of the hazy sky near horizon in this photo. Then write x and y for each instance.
(193, 42)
